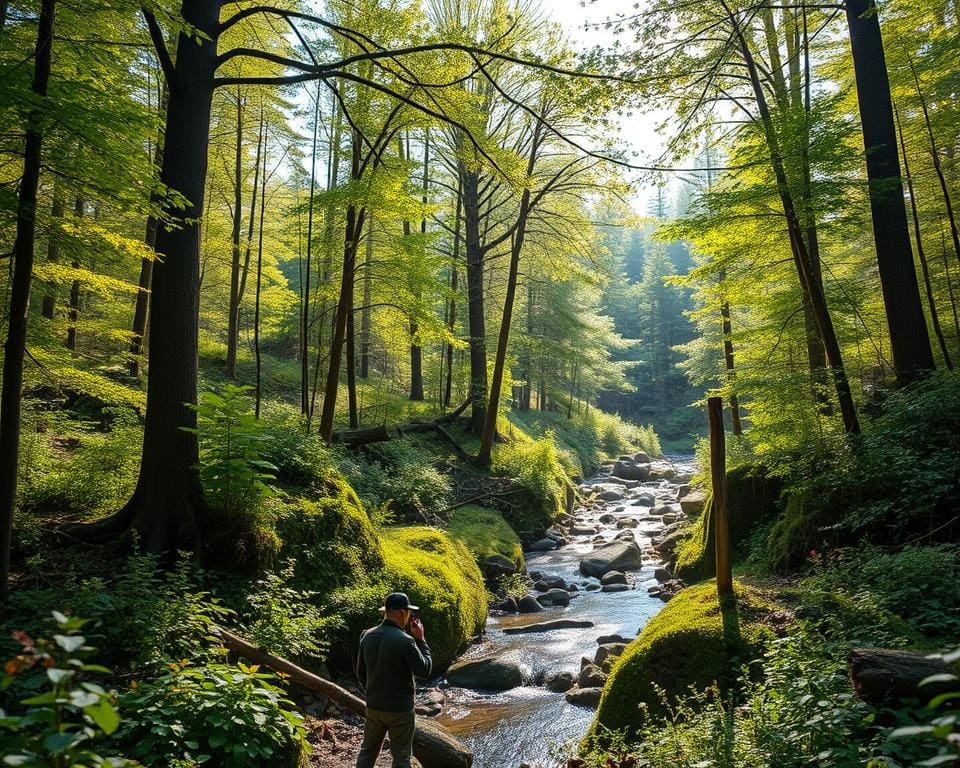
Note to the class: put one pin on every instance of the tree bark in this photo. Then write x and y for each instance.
(259, 286)
(909, 340)
(305, 401)
(73, 313)
(452, 309)
(469, 181)
(233, 310)
(53, 252)
(718, 474)
(886, 677)
(366, 313)
(15, 345)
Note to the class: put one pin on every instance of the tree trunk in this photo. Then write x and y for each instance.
(73, 313)
(146, 264)
(53, 252)
(718, 474)
(168, 499)
(728, 362)
(452, 310)
(233, 310)
(909, 340)
(305, 405)
(259, 286)
(15, 345)
(469, 181)
(887, 677)
(921, 253)
(366, 317)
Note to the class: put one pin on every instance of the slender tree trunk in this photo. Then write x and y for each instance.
(354, 226)
(909, 340)
(248, 248)
(233, 311)
(73, 313)
(452, 309)
(139, 334)
(817, 298)
(15, 345)
(469, 181)
(729, 362)
(921, 254)
(259, 287)
(53, 252)
(953, 299)
(305, 318)
(366, 313)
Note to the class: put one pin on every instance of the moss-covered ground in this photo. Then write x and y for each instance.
(486, 533)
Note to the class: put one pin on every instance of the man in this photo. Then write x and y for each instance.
(387, 664)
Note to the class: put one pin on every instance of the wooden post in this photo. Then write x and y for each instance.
(718, 472)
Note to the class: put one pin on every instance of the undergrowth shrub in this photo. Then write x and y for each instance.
(220, 714)
(536, 467)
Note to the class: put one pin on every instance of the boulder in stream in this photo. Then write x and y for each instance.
(559, 682)
(627, 522)
(645, 499)
(591, 676)
(435, 746)
(608, 651)
(630, 470)
(486, 673)
(611, 494)
(614, 577)
(617, 555)
(529, 604)
(615, 588)
(543, 545)
(584, 697)
(555, 597)
(692, 503)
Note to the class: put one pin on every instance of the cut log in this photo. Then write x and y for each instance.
(433, 745)
(355, 438)
(882, 676)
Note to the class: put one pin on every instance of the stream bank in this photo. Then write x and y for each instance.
(527, 723)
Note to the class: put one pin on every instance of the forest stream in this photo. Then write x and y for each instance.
(523, 725)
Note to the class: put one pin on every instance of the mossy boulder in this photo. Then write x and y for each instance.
(752, 496)
(690, 643)
(486, 534)
(441, 576)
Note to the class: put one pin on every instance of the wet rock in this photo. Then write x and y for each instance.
(625, 534)
(584, 697)
(582, 530)
(614, 577)
(615, 588)
(629, 470)
(591, 676)
(496, 567)
(664, 509)
(543, 545)
(488, 673)
(559, 682)
(585, 661)
(669, 589)
(627, 522)
(621, 508)
(611, 494)
(550, 581)
(608, 651)
(529, 604)
(666, 546)
(605, 639)
(548, 626)
(662, 574)
(435, 746)
(572, 588)
(692, 503)
(641, 458)
(662, 470)
(507, 605)
(555, 597)
(592, 587)
(608, 519)
(616, 555)
(430, 702)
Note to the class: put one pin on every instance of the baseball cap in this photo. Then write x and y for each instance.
(398, 601)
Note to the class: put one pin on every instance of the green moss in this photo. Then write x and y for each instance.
(752, 495)
(485, 533)
(441, 576)
(690, 643)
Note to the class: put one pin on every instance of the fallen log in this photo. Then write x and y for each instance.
(355, 438)
(433, 745)
(549, 626)
(883, 676)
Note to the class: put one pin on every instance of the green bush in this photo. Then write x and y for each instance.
(224, 715)
(485, 533)
(59, 726)
(441, 576)
(689, 644)
(536, 467)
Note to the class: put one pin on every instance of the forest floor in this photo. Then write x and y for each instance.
(335, 740)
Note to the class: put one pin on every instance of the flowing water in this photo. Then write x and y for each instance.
(526, 724)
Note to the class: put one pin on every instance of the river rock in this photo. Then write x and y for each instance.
(430, 702)
(435, 746)
(615, 588)
(641, 458)
(644, 499)
(606, 639)
(543, 545)
(584, 697)
(614, 577)
(551, 581)
(625, 534)
(611, 494)
(529, 604)
(608, 651)
(617, 555)
(692, 503)
(591, 676)
(662, 470)
(507, 605)
(670, 517)
(666, 546)
(496, 567)
(592, 587)
(547, 626)
(487, 673)
(555, 597)
(559, 682)
(627, 522)
(608, 519)
(582, 530)
(662, 574)
(629, 470)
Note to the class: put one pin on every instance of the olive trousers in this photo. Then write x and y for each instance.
(399, 725)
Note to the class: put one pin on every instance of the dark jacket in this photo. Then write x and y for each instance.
(388, 661)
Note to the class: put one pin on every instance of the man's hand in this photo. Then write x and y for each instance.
(416, 628)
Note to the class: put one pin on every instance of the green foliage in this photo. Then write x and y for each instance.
(233, 716)
(284, 620)
(485, 533)
(442, 577)
(300, 458)
(919, 584)
(59, 726)
(536, 467)
(232, 468)
(691, 643)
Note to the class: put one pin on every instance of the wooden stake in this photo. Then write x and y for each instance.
(718, 472)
